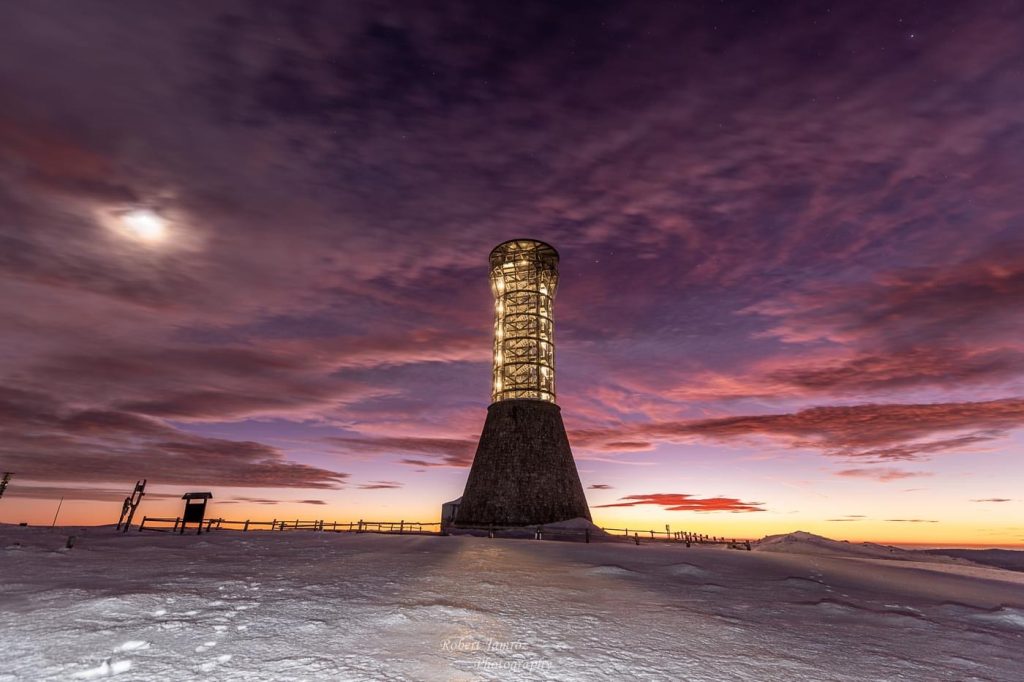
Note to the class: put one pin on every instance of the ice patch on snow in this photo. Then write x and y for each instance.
(610, 570)
(133, 645)
(1009, 618)
(687, 570)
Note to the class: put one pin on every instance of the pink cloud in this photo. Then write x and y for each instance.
(883, 474)
(877, 432)
(684, 502)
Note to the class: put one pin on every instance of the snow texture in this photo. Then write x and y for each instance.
(322, 606)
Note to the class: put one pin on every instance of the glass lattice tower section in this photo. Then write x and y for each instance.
(524, 275)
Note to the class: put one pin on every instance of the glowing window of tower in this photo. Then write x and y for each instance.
(524, 276)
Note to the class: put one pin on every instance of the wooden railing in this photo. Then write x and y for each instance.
(397, 527)
(606, 534)
(436, 528)
(679, 536)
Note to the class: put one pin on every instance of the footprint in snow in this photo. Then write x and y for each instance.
(104, 669)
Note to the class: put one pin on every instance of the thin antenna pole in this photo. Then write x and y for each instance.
(58, 512)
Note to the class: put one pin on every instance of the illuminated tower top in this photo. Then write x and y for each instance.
(524, 275)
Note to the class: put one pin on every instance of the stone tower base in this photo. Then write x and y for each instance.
(523, 473)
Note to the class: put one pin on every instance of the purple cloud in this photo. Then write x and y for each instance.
(735, 269)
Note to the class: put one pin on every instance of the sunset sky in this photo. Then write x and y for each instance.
(243, 248)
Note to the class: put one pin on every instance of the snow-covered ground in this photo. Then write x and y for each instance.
(323, 606)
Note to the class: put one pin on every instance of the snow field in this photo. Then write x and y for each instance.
(324, 606)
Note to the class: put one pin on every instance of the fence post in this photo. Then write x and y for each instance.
(143, 524)
(636, 537)
(360, 526)
(401, 527)
(246, 526)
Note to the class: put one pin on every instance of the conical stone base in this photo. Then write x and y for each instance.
(523, 473)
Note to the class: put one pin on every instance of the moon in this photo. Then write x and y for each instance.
(144, 225)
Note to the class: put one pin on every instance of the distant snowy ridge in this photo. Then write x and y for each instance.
(1007, 559)
(802, 542)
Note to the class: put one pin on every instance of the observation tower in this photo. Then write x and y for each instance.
(523, 472)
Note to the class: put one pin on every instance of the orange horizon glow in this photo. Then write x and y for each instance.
(742, 526)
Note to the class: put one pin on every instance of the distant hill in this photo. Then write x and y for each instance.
(1012, 560)
(802, 542)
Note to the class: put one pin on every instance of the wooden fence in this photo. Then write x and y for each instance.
(397, 527)
(611, 534)
(436, 528)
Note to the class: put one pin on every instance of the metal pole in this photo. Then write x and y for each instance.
(58, 512)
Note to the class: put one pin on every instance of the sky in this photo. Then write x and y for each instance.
(243, 248)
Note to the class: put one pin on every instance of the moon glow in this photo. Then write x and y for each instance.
(144, 225)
